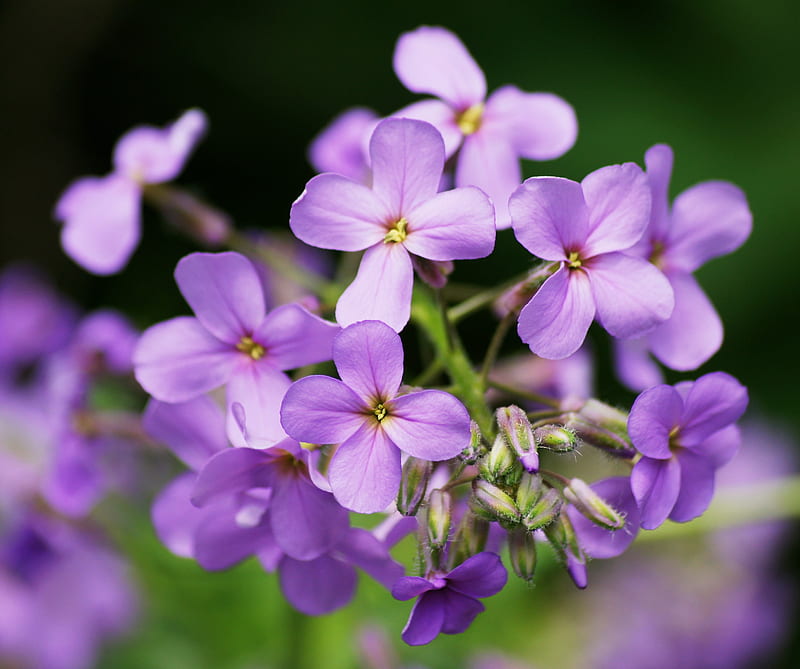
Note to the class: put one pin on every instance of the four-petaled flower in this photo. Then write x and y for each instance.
(684, 433)
(401, 216)
(585, 227)
(369, 419)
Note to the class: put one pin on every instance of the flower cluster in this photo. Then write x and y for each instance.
(465, 457)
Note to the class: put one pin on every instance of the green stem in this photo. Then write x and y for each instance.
(524, 394)
(495, 344)
(482, 299)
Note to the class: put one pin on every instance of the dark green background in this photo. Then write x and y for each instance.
(715, 79)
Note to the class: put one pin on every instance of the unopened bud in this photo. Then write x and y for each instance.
(517, 431)
(499, 463)
(544, 511)
(492, 503)
(522, 552)
(591, 505)
(413, 484)
(562, 537)
(476, 449)
(433, 272)
(556, 438)
(438, 518)
(470, 538)
(202, 222)
(519, 295)
(529, 491)
(611, 442)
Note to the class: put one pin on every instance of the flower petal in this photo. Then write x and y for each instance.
(178, 360)
(632, 296)
(155, 155)
(634, 366)
(618, 198)
(407, 163)
(721, 446)
(694, 331)
(460, 611)
(697, 486)
(655, 485)
(441, 116)
(334, 212)
(481, 575)
(426, 619)
(555, 322)
(306, 521)
(175, 518)
(381, 290)
(433, 60)
(259, 389)
(220, 542)
(488, 160)
(658, 160)
(549, 217)
(454, 225)
(101, 222)
(224, 291)
(193, 430)
(364, 551)
(430, 424)
(654, 414)
(365, 470)
(293, 337)
(715, 401)
(341, 146)
(317, 586)
(321, 410)
(409, 587)
(233, 471)
(541, 126)
(708, 220)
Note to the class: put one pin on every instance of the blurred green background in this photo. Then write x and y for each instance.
(717, 80)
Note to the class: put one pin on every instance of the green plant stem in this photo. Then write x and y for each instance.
(496, 343)
(482, 299)
(524, 394)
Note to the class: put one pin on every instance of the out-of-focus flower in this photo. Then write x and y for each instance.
(341, 147)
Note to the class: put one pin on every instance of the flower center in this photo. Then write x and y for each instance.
(255, 350)
(657, 254)
(380, 412)
(574, 260)
(469, 120)
(397, 233)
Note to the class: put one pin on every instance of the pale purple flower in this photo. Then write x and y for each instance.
(372, 423)
(586, 227)
(492, 134)
(684, 433)
(342, 147)
(448, 602)
(704, 222)
(400, 217)
(232, 341)
(101, 215)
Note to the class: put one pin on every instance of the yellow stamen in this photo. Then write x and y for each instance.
(469, 120)
(380, 412)
(254, 350)
(574, 260)
(397, 233)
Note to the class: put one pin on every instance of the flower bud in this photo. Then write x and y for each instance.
(529, 491)
(433, 272)
(199, 220)
(492, 503)
(556, 438)
(522, 552)
(438, 518)
(591, 505)
(470, 538)
(516, 429)
(413, 484)
(564, 541)
(611, 442)
(544, 511)
(476, 449)
(499, 463)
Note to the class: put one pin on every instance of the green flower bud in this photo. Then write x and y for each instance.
(500, 463)
(516, 429)
(556, 438)
(490, 502)
(470, 538)
(529, 491)
(564, 541)
(522, 552)
(413, 485)
(591, 505)
(544, 511)
(438, 518)
(476, 449)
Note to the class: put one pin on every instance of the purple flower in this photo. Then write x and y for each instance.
(493, 134)
(342, 146)
(233, 341)
(684, 433)
(585, 227)
(708, 220)
(101, 215)
(400, 217)
(371, 422)
(448, 602)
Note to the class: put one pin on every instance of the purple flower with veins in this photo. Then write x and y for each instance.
(707, 220)
(400, 217)
(372, 424)
(232, 341)
(101, 215)
(494, 133)
(342, 146)
(448, 602)
(586, 227)
(684, 433)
